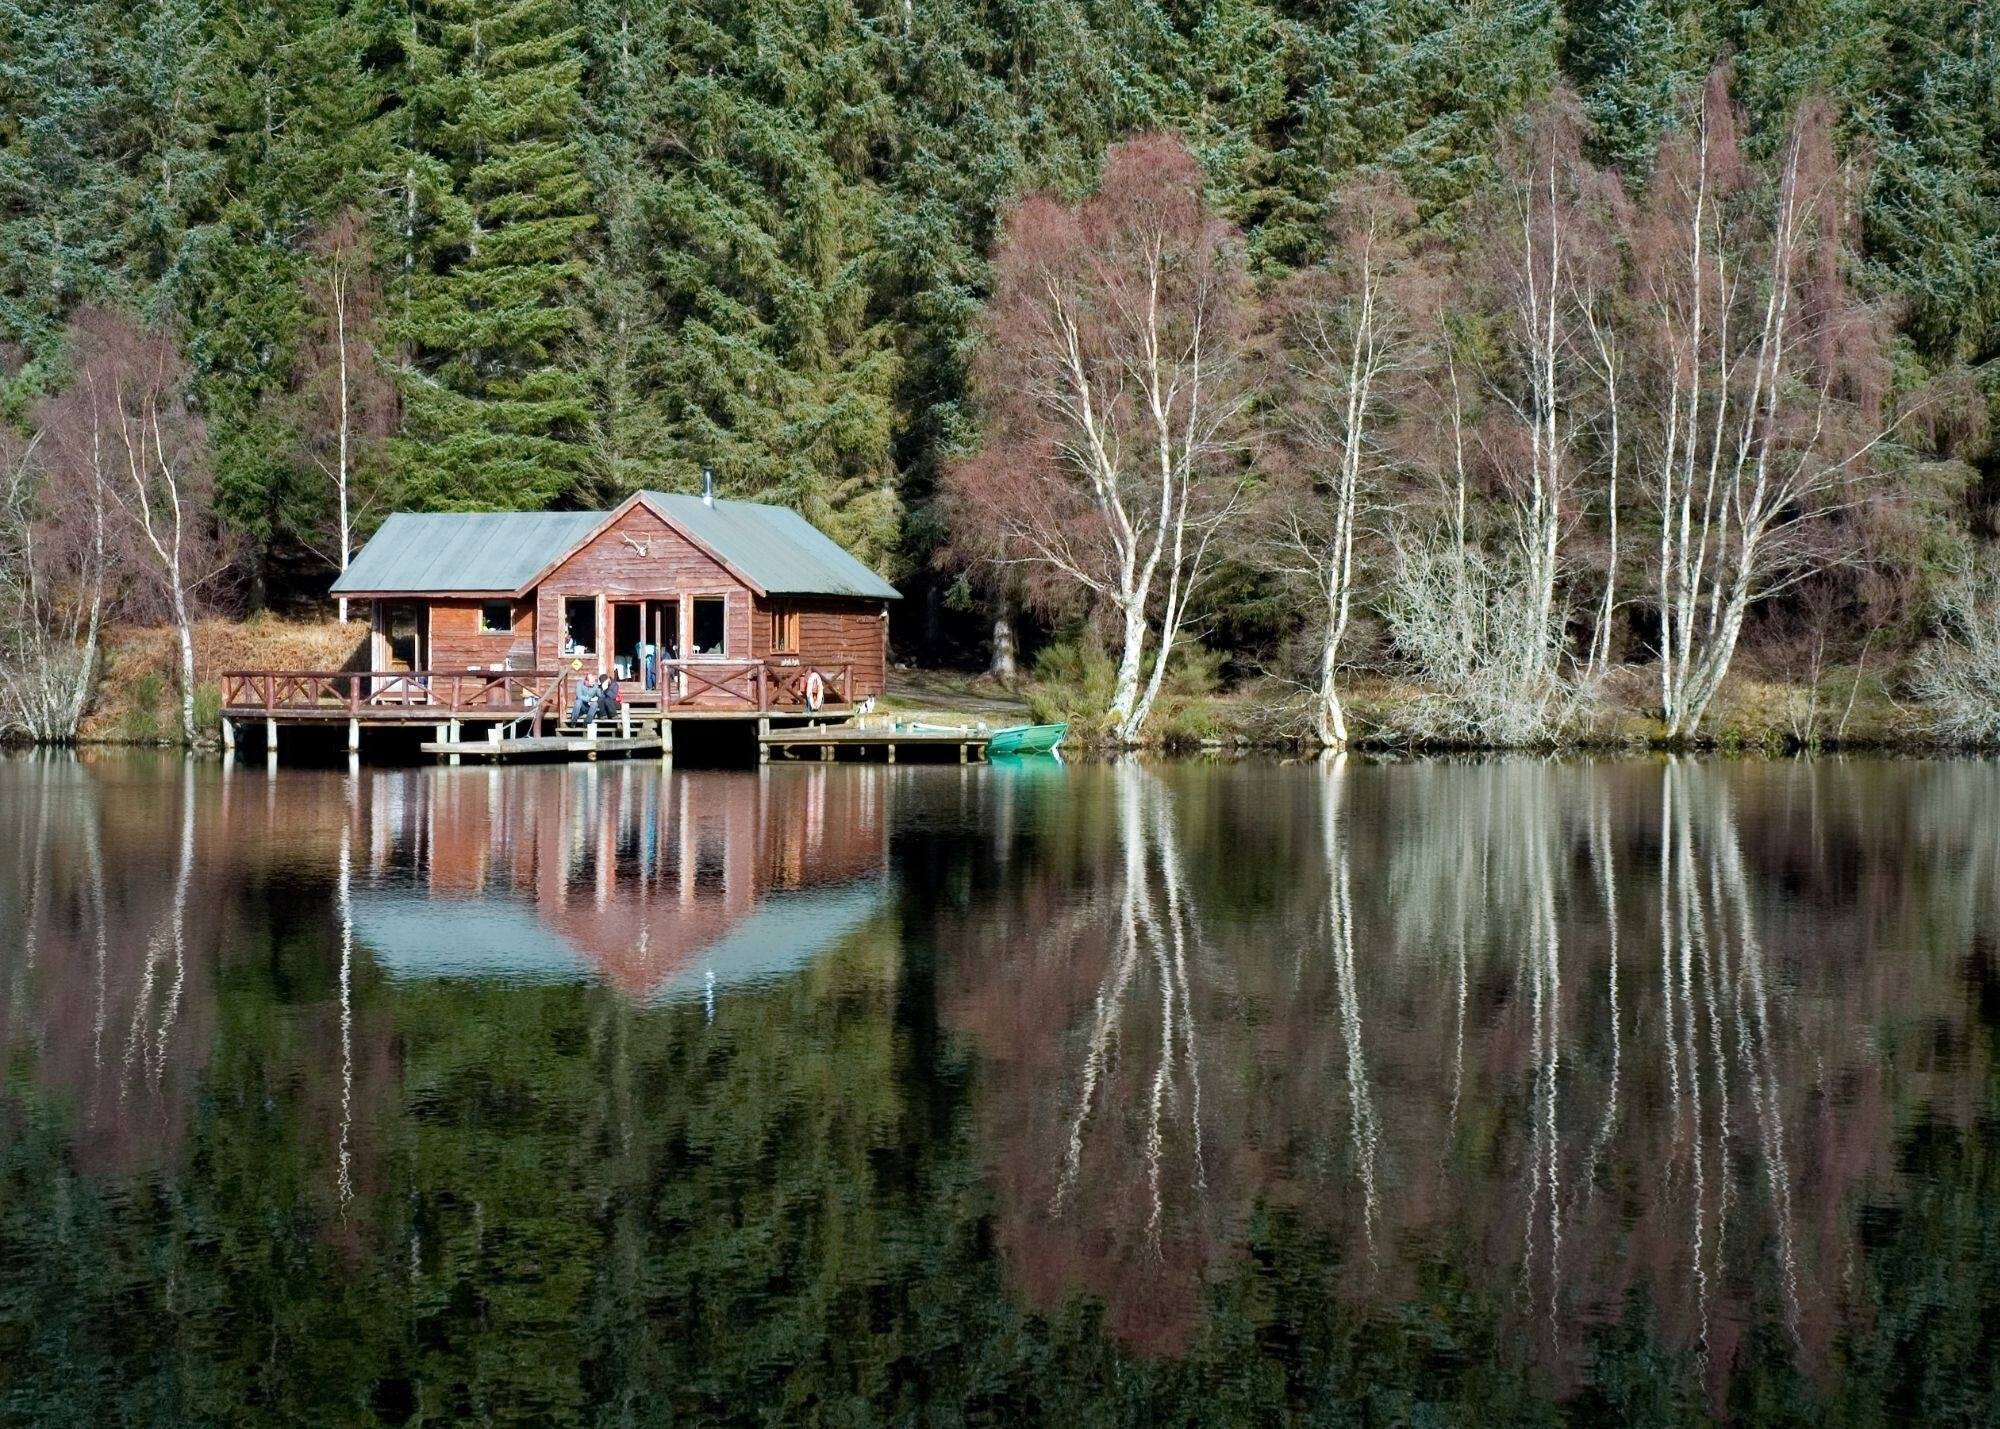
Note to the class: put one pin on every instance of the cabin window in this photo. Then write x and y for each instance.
(580, 626)
(496, 617)
(784, 630)
(707, 637)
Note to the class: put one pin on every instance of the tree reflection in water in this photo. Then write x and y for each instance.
(1121, 1092)
(1463, 946)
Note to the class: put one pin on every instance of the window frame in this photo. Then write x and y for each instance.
(563, 634)
(783, 631)
(694, 602)
(486, 609)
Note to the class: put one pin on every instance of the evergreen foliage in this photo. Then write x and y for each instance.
(497, 404)
(624, 239)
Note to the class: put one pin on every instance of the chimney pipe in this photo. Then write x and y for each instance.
(708, 486)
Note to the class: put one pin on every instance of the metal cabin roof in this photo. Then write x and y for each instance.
(414, 937)
(774, 546)
(463, 550)
(503, 551)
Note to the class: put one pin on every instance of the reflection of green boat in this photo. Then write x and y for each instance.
(1026, 739)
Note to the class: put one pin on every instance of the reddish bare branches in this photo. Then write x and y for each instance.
(1112, 385)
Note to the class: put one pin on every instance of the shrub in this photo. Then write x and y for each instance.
(1074, 677)
(1490, 676)
(1958, 677)
(207, 708)
(141, 724)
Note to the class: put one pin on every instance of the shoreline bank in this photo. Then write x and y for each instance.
(1846, 710)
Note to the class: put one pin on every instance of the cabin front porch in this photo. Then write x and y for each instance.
(524, 705)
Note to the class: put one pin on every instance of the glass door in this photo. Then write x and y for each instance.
(406, 637)
(663, 639)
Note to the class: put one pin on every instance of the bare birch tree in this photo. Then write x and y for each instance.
(1476, 608)
(1534, 245)
(1112, 385)
(350, 402)
(160, 453)
(56, 566)
(1343, 331)
(1766, 381)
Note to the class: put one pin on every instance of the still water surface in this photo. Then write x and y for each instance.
(1486, 1092)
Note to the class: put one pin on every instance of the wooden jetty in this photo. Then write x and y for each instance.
(548, 746)
(825, 742)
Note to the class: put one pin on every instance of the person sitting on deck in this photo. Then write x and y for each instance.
(588, 702)
(608, 697)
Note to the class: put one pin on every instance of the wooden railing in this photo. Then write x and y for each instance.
(788, 684)
(747, 684)
(751, 686)
(363, 691)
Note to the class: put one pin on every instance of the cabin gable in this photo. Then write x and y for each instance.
(639, 556)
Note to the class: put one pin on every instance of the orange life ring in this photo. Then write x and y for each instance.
(815, 690)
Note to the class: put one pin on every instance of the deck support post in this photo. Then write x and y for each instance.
(826, 754)
(667, 738)
(963, 756)
(228, 734)
(354, 736)
(270, 740)
(454, 727)
(892, 751)
(763, 749)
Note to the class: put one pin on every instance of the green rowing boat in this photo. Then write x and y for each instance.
(1026, 739)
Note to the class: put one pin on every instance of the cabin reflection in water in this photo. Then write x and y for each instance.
(661, 884)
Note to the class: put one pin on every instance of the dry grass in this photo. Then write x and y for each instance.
(136, 693)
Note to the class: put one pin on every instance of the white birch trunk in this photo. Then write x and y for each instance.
(345, 534)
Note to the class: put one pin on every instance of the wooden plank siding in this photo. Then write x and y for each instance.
(457, 642)
(832, 631)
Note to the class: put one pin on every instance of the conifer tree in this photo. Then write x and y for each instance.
(497, 406)
(1933, 213)
(63, 193)
(774, 364)
(298, 136)
(622, 45)
(1634, 62)
(1417, 87)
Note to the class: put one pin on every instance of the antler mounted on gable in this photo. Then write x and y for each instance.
(644, 548)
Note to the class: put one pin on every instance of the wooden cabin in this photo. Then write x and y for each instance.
(693, 601)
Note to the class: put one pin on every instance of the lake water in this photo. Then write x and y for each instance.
(1441, 1093)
